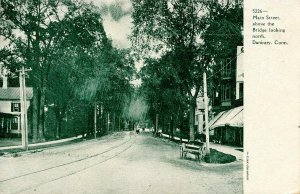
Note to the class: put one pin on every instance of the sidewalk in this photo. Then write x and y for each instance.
(41, 144)
(232, 150)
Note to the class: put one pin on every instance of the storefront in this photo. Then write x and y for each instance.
(227, 127)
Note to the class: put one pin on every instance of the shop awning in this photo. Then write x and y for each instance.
(215, 119)
(232, 117)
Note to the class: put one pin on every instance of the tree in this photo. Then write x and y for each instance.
(222, 35)
(163, 95)
(223, 28)
(187, 37)
(173, 28)
(41, 31)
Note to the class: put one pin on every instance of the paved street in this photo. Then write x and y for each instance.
(118, 163)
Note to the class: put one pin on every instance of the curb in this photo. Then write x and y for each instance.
(41, 144)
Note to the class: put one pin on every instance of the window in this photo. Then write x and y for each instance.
(241, 90)
(225, 92)
(15, 107)
(14, 123)
(226, 68)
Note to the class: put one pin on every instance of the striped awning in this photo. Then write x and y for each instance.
(13, 93)
(232, 117)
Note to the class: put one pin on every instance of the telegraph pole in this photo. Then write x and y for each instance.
(206, 113)
(23, 102)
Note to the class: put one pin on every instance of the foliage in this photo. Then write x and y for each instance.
(73, 62)
(223, 31)
(178, 41)
(171, 29)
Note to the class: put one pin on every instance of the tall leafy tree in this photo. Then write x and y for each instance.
(172, 28)
(40, 31)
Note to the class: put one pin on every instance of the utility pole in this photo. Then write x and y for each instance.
(95, 120)
(23, 102)
(206, 113)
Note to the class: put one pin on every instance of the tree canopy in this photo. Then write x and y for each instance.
(73, 61)
(178, 41)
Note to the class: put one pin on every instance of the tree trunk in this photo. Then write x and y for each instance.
(108, 122)
(156, 124)
(35, 114)
(171, 127)
(42, 113)
(114, 122)
(119, 123)
(58, 126)
(192, 120)
(133, 126)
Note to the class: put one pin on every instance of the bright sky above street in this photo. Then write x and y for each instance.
(117, 23)
(116, 20)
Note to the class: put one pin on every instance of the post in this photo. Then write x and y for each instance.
(24, 128)
(22, 108)
(25, 110)
(171, 135)
(95, 120)
(156, 124)
(206, 113)
(108, 121)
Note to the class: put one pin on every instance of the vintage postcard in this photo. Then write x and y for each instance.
(150, 96)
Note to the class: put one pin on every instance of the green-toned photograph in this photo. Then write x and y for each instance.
(121, 96)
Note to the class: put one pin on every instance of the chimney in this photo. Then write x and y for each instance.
(4, 82)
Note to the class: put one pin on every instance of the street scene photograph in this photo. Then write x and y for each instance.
(121, 96)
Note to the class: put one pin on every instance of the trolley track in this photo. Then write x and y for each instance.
(85, 163)
(76, 171)
(67, 163)
(80, 145)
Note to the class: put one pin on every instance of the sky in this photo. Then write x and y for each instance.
(117, 23)
(116, 20)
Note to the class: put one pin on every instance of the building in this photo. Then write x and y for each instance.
(227, 101)
(10, 108)
(239, 97)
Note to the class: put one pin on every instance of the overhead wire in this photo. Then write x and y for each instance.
(233, 58)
